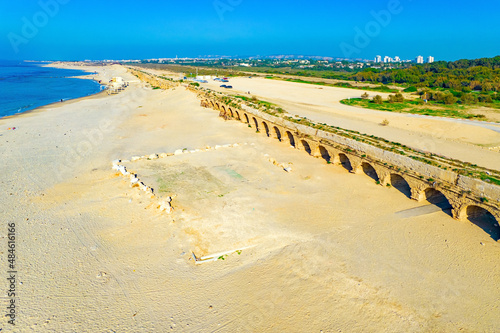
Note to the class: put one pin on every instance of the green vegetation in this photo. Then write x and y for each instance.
(415, 107)
(377, 100)
(411, 89)
(462, 75)
(256, 101)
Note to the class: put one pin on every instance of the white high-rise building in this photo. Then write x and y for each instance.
(387, 59)
(397, 59)
(378, 59)
(430, 59)
(419, 60)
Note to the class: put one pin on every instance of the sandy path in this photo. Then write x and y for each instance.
(333, 252)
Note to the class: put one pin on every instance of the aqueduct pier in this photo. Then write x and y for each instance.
(468, 198)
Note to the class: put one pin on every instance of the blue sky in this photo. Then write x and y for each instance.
(77, 30)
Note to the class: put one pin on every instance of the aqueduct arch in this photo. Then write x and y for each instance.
(256, 124)
(438, 199)
(278, 133)
(345, 162)
(325, 154)
(306, 146)
(370, 171)
(291, 139)
(400, 184)
(247, 120)
(266, 128)
(484, 219)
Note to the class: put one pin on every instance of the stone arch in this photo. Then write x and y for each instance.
(223, 109)
(325, 154)
(237, 115)
(256, 123)
(438, 199)
(400, 184)
(278, 133)
(370, 171)
(217, 106)
(231, 112)
(306, 146)
(291, 139)
(345, 162)
(484, 219)
(266, 128)
(212, 104)
(246, 119)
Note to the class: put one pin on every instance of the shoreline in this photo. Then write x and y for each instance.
(64, 102)
(54, 105)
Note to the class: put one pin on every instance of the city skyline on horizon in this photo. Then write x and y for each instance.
(66, 30)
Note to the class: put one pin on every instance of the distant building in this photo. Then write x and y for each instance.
(387, 59)
(419, 60)
(397, 59)
(378, 59)
(430, 59)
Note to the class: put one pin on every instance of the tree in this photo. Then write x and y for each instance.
(469, 99)
(378, 99)
(399, 98)
(365, 95)
(449, 99)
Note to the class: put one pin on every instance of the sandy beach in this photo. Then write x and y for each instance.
(317, 249)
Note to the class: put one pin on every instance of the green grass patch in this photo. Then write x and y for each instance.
(414, 107)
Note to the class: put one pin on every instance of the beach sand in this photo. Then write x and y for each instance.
(330, 251)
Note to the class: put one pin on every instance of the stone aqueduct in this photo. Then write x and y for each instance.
(466, 196)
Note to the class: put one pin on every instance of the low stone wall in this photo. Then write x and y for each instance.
(154, 80)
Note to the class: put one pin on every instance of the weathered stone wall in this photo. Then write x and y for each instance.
(153, 80)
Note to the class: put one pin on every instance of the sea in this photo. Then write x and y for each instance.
(26, 85)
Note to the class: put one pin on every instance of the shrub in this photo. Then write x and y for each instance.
(411, 89)
(378, 99)
(399, 98)
(449, 99)
(485, 99)
(385, 122)
(365, 95)
(469, 98)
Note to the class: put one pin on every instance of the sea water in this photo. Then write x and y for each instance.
(27, 85)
